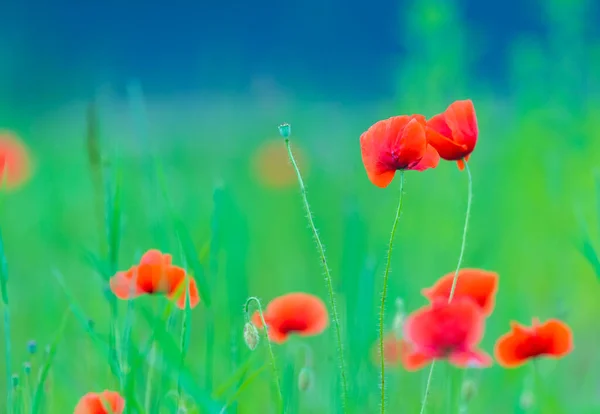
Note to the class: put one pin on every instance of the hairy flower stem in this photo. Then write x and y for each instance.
(386, 275)
(270, 348)
(328, 279)
(455, 280)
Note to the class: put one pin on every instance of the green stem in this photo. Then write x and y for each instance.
(270, 348)
(328, 279)
(7, 342)
(455, 280)
(386, 275)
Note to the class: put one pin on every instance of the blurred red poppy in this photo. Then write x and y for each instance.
(105, 402)
(396, 143)
(15, 164)
(392, 350)
(444, 330)
(479, 285)
(299, 313)
(155, 274)
(271, 164)
(454, 132)
(552, 338)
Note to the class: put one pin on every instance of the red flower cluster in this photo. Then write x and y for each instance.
(410, 142)
(155, 274)
(452, 330)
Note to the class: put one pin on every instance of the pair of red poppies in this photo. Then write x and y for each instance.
(453, 330)
(411, 142)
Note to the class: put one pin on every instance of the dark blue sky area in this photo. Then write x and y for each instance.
(69, 47)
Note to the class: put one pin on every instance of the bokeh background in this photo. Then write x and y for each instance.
(203, 86)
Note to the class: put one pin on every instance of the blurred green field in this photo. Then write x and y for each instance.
(536, 206)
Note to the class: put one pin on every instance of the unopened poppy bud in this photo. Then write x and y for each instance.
(527, 400)
(15, 380)
(31, 347)
(468, 391)
(285, 130)
(305, 379)
(27, 367)
(251, 336)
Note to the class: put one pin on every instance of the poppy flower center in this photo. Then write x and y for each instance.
(293, 325)
(391, 160)
(532, 347)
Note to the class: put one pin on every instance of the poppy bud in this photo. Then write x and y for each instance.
(285, 130)
(27, 368)
(305, 379)
(468, 391)
(31, 347)
(15, 380)
(251, 336)
(527, 400)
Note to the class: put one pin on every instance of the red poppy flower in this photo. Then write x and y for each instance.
(444, 330)
(299, 313)
(453, 133)
(271, 165)
(552, 338)
(396, 143)
(479, 285)
(155, 275)
(105, 402)
(392, 350)
(14, 161)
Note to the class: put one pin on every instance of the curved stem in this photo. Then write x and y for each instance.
(386, 275)
(455, 280)
(270, 348)
(328, 279)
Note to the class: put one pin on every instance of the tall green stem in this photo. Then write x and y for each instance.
(455, 280)
(284, 130)
(269, 346)
(7, 343)
(386, 275)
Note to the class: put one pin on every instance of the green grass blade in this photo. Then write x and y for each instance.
(172, 353)
(7, 328)
(190, 251)
(45, 368)
(249, 380)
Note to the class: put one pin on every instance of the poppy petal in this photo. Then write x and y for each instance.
(558, 336)
(478, 284)
(372, 144)
(256, 320)
(461, 119)
(505, 351)
(413, 145)
(412, 360)
(194, 296)
(431, 159)
(124, 286)
(156, 257)
(446, 148)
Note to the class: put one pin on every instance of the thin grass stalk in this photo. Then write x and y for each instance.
(284, 130)
(185, 335)
(386, 276)
(7, 328)
(269, 346)
(455, 280)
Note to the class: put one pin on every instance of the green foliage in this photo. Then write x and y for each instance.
(190, 188)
